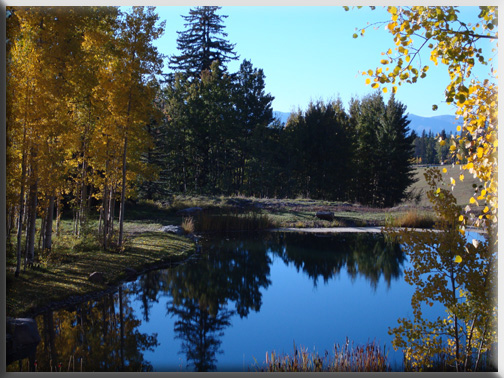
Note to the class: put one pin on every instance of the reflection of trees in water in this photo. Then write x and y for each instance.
(105, 338)
(369, 255)
(200, 332)
(227, 271)
(95, 336)
(236, 269)
(375, 256)
(147, 288)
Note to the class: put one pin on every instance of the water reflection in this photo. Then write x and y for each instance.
(200, 332)
(236, 270)
(200, 293)
(93, 336)
(202, 298)
(369, 255)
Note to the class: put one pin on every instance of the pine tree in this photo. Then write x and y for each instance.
(320, 151)
(202, 42)
(366, 113)
(395, 171)
(253, 113)
(384, 151)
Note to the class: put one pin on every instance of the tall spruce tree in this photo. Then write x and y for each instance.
(253, 114)
(320, 151)
(395, 171)
(384, 151)
(366, 114)
(202, 43)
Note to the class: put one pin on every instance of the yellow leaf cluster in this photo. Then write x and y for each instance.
(476, 101)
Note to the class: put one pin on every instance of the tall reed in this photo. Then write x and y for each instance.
(414, 219)
(345, 358)
(232, 220)
(188, 225)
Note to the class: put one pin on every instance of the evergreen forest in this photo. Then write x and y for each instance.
(429, 151)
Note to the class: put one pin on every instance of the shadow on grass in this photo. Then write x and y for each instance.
(40, 286)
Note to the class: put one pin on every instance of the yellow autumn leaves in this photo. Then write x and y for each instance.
(437, 29)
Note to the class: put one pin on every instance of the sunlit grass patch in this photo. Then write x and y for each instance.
(462, 190)
(414, 219)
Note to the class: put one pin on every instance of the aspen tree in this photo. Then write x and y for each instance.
(138, 61)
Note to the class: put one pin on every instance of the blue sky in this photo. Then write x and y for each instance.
(308, 53)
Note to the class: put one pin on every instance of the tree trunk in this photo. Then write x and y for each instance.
(83, 196)
(48, 225)
(105, 217)
(41, 240)
(20, 230)
(30, 232)
(21, 208)
(111, 213)
(58, 215)
(11, 217)
(455, 318)
(123, 194)
(123, 186)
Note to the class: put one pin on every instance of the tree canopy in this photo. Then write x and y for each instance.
(203, 42)
(456, 44)
(446, 268)
(80, 86)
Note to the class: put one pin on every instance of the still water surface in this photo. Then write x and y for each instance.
(242, 296)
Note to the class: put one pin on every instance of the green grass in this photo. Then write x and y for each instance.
(65, 271)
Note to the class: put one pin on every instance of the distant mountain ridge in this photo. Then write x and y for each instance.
(418, 123)
(435, 124)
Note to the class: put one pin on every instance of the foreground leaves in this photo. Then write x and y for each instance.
(457, 44)
(447, 270)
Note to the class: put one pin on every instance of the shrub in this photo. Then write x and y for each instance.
(188, 225)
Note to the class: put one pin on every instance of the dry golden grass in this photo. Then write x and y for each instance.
(414, 219)
(188, 225)
(345, 358)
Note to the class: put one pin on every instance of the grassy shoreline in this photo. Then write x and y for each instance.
(66, 281)
(63, 275)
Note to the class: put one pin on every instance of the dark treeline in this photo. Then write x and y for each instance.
(323, 152)
(219, 135)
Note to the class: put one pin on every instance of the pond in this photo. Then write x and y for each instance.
(242, 297)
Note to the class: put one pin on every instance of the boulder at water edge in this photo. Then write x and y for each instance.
(22, 339)
(325, 215)
(97, 277)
